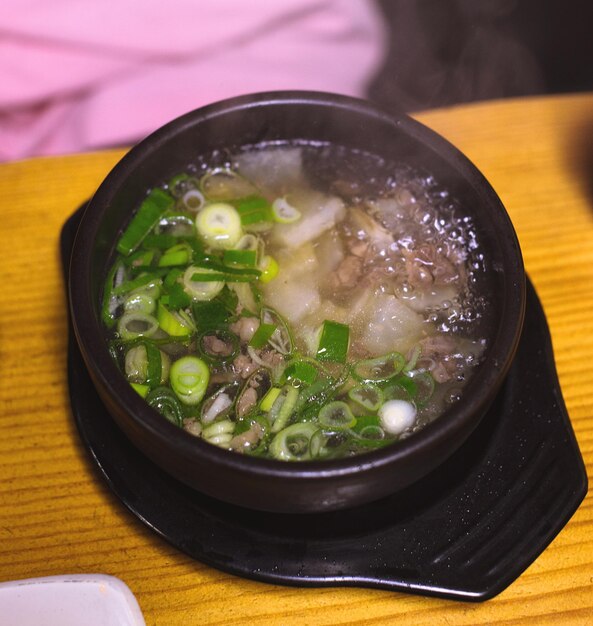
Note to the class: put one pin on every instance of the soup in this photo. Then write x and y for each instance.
(298, 301)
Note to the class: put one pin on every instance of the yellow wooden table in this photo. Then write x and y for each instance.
(57, 516)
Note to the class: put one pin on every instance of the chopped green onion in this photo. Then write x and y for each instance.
(248, 242)
(219, 433)
(301, 371)
(135, 324)
(294, 442)
(367, 396)
(160, 242)
(269, 269)
(334, 341)
(284, 212)
(337, 414)
(224, 184)
(268, 400)
(163, 400)
(176, 225)
(210, 314)
(179, 254)
(262, 335)
(109, 300)
(246, 258)
(202, 284)
(141, 390)
(283, 407)
(140, 258)
(219, 225)
(175, 323)
(255, 212)
(140, 281)
(189, 379)
(380, 369)
(281, 339)
(424, 383)
(150, 211)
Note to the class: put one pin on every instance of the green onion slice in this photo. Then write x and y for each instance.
(337, 414)
(302, 371)
(283, 407)
(262, 335)
(152, 208)
(281, 339)
(284, 212)
(179, 254)
(218, 345)
(293, 443)
(224, 184)
(174, 323)
(219, 225)
(135, 324)
(166, 403)
(140, 389)
(202, 284)
(245, 258)
(367, 396)
(333, 342)
(189, 377)
(380, 369)
(425, 385)
(110, 300)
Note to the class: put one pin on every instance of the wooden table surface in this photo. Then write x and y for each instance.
(57, 516)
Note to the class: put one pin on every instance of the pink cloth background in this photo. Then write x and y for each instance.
(83, 74)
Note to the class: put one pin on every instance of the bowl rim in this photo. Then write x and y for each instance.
(90, 335)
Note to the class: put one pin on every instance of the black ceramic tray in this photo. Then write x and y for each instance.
(464, 532)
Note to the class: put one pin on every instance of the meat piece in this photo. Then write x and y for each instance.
(247, 439)
(439, 355)
(349, 271)
(244, 366)
(426, 266)
(216, 346)
(245, 328)
(246, 402)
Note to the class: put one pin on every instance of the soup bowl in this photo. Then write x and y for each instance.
(272, 485)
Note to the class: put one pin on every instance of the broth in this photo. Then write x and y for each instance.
(298, 301)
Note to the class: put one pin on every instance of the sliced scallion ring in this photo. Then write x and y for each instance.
(201, 290)
(283, 407)
(219, 225)
(281, 339)
(379, 369)
(225, 184)
(269, 268)
(293, 443)
(284, 212)
(135, 324)
(337, 414)
(163, 400)
(367, 396)
(193, 200)
(189, 379)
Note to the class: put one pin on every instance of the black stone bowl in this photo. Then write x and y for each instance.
(263, 484)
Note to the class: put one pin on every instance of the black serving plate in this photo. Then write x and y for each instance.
(464, 532)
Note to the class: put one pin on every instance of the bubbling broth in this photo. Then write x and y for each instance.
(298, 301)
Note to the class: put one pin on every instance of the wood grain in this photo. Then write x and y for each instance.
(56, 514)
